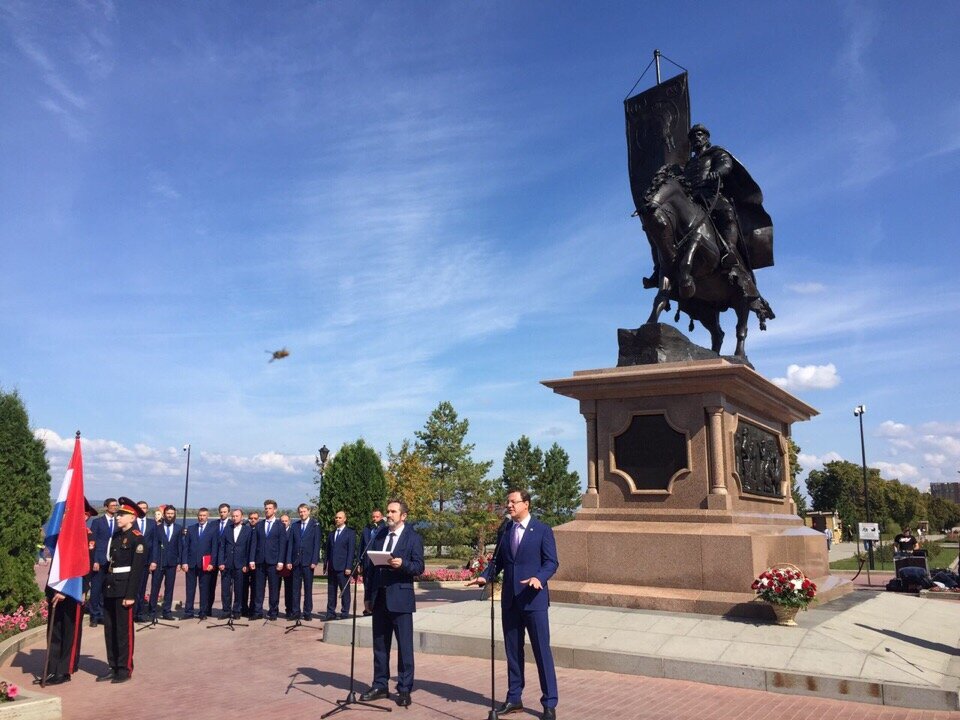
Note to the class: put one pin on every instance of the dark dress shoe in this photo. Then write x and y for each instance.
(549, 714)
(344, 616)
(168, 616)
(307, 617)
(375, 694)
(121, 677)
(202, 617)
(257, 616)
(510, 707)
(403, 699)
(236, 616)
(57, 680)
(94, 622)
(188, 616)
(271, 616)
(107, 676)
(329, 616)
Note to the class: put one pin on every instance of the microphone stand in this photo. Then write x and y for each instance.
(493, 714)
(352, 698)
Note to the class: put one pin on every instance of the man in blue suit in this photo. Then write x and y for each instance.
(528, 558)
(102, 528)
(165, 560)
(270, 557)
(236, 552)
(197, 561)
(341, 548)
(389, 596)
(220, 524)
(147, 527)
(303, 552)
(369, 531)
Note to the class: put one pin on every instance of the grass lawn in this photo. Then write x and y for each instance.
(947, 555)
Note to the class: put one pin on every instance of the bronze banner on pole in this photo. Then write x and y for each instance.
(657, 124)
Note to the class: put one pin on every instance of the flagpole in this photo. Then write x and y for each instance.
(656, 59)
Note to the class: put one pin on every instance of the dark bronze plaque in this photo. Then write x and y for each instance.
(759, 462)
(650, 452)
(657, 124)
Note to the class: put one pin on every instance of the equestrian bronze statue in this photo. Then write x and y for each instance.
(708, 233)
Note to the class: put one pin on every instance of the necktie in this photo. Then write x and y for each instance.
(390, 542)
(223, 525)
(269, 523)
(515, 540)
(141, 526)
(111, 526)
(303, 527)
(169, 530)
(336, 535)
(202, 525)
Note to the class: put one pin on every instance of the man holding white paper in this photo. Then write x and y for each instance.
(389, 596)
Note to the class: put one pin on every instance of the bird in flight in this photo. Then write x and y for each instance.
(277, 354)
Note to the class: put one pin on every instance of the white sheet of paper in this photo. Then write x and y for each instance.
(379, 557)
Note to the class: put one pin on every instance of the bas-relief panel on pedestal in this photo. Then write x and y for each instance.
(760, 466)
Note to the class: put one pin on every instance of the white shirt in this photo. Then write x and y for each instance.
(236, 531)
(396, 537)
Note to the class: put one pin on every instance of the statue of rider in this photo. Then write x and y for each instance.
(722, 185)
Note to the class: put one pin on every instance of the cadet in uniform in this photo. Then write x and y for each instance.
(126, 554)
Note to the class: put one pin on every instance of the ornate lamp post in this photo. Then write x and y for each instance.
(858, 411)
(324, 454)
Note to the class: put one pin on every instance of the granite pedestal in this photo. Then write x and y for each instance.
(688, 490)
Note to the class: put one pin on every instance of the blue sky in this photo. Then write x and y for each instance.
(428, 201)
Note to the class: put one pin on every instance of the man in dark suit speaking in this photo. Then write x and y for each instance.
(528, 558)
(389, 596)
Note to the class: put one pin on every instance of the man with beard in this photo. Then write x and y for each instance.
(390, 597)
(165, 560)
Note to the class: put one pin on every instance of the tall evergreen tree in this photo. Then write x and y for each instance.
(556, 492)
(25, 489)
(522, 465)
(457, 482)
(354, 482)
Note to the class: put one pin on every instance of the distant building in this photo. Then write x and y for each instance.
(946, 491)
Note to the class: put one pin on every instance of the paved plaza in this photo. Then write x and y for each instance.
(188, 671)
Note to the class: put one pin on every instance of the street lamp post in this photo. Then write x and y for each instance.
(324, 454)
(858, 411)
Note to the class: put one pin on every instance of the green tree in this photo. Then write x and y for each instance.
(795, 470)
(941, 514)
(457, 482)
(408, 478)
(839, 486)
(25, 489)
(353, 481)
(556, 491)
(522, 465)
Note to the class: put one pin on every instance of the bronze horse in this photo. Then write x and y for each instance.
(687, 262)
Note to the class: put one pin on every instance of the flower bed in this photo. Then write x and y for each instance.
(22, 619)
(445, 575)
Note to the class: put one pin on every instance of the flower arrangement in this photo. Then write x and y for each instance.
(8, 691)
(23, 618)
(479, 564)
(785, 585)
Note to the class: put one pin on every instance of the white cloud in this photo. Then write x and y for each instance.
(904, 471)
(112, 468)
(809, 461)
(809, 377)
(807, 288)
(891, 429)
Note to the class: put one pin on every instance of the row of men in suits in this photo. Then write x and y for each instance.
(251, 558)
